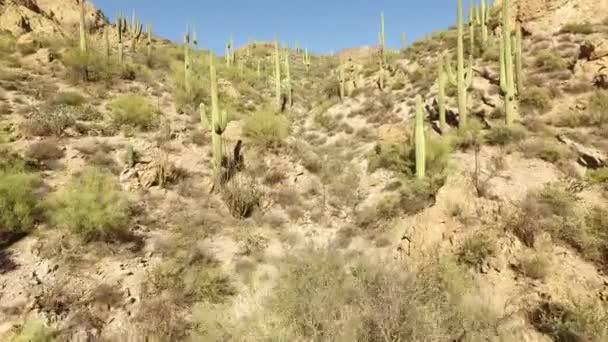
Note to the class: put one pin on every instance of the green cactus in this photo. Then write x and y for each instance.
(194, 37)
(472, 26)
(258, 69)
(121, 23)
(382, 38)
(106, 42)
(519, 75)
(484, 21)
(507, 84)
(341, 80)
(381, 61)
(403, 42)
(441, 83)
(306, 59)
(149, 39)
(219, 121)
(420, 141)
(462, 78)
(277, 73)
(136, 31)
(288, 87)
(83, 29)
(187, 65)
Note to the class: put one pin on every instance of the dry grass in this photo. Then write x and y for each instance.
(44, 150)
(241, 196)
(476, 249)
(580, 321)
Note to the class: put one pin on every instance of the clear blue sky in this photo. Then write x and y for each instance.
(323, 25)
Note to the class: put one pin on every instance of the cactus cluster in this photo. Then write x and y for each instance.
(479, 17)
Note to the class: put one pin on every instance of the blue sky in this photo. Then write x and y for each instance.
(324, 26)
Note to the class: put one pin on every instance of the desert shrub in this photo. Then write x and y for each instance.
(595, 114)
(476, 249)
(44, 150)
(274, 176)
(52, 121)
(19, 206)
(545, 150)
(467, 137)
(549, 61)
(134, 110)
(327, 122)
(319, 299)
(580, 321)
(401, 157)
(536, 99)
(503, 135)
(241, 196)
(68, 98)
(598, 176)
(535, 266)
(7, 43)
(33, 330)
(579, 87)
(88, 66)
(267, 128)
(91, 205)
(578, 28)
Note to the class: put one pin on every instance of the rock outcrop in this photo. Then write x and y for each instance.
(47, 17)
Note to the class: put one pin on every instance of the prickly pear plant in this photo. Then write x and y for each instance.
(420, 141)
(219, 120)
(507, 84)
(83, 29)
(462, 78)
(277, 73)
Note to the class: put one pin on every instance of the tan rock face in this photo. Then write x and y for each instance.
(548, 16)
(47, 16)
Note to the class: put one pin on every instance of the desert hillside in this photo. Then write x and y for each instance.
(455, 189)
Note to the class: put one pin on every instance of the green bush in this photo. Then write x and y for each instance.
(267, 128)
(536, 99)
(549, 61)
(33, 330)
(68, 98)
(134, 110)
(18, 203)
(595, 114)
(599, 176)
(578, 28)
(92, 205)
(476, 249)
(7, 43)
(504, 135)
(88, 66)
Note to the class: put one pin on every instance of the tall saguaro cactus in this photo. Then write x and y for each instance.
(519, 75)
(149, 39)
(187, 65)
(342, 80)
(420, 141)
(106, 42)
(83, 29)
(219, 121)
(507, 84)
(403, 41)
(463, 78)
(382, 39)
(472, 26)
(277, 73)
(484, 21)
(441, 83)
(121, 26)
(288, 88)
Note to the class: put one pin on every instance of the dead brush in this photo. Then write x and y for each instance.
(241, 196)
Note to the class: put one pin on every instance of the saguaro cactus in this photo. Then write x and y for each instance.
(382, 37)
(341, 80)
(403, 42)
(519, 75)
(106, 42)
(149, 39)
(83, 29)
(463, 78)
(420, 141)
(219, 121)
(122, 23)
(484, 20)
(507, 84)
(441, 83)
(288, 88)
(187, 65)
(136, 31)
(472, 25)
(277, 73)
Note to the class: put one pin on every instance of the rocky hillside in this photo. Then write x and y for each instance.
(157, 192)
